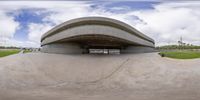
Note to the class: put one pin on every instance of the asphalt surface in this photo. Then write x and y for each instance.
(41, 76)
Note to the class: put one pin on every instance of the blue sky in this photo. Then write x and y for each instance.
(23, 22)
(25, 17)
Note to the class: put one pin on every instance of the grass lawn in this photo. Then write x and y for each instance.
(27, 51)
(4, 53)
(181, 54)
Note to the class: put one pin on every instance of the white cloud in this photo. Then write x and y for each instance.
(7, 25)
(16, 5)
(37, 30)
(15, 43)
(168, 22)
(165, 23)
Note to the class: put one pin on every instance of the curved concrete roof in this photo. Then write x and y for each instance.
(96, 26)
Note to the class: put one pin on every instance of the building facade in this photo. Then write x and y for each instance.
(95, 34)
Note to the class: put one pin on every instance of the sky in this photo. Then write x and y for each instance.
(22, 23)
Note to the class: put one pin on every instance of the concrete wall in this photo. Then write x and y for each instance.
(98, 30)
(96, 21)
(137, 49)
(62, 48)
(70, 48)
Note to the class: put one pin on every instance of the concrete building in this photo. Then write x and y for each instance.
(95, 35)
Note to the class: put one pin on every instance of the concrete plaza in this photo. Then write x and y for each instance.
(147, 76)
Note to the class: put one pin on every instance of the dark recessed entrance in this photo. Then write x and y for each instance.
(98, 44)
(104, 51)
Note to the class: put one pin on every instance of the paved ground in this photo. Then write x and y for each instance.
(40, 76)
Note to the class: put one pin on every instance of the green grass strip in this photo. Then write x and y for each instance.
(4, 53)
(181, 54)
